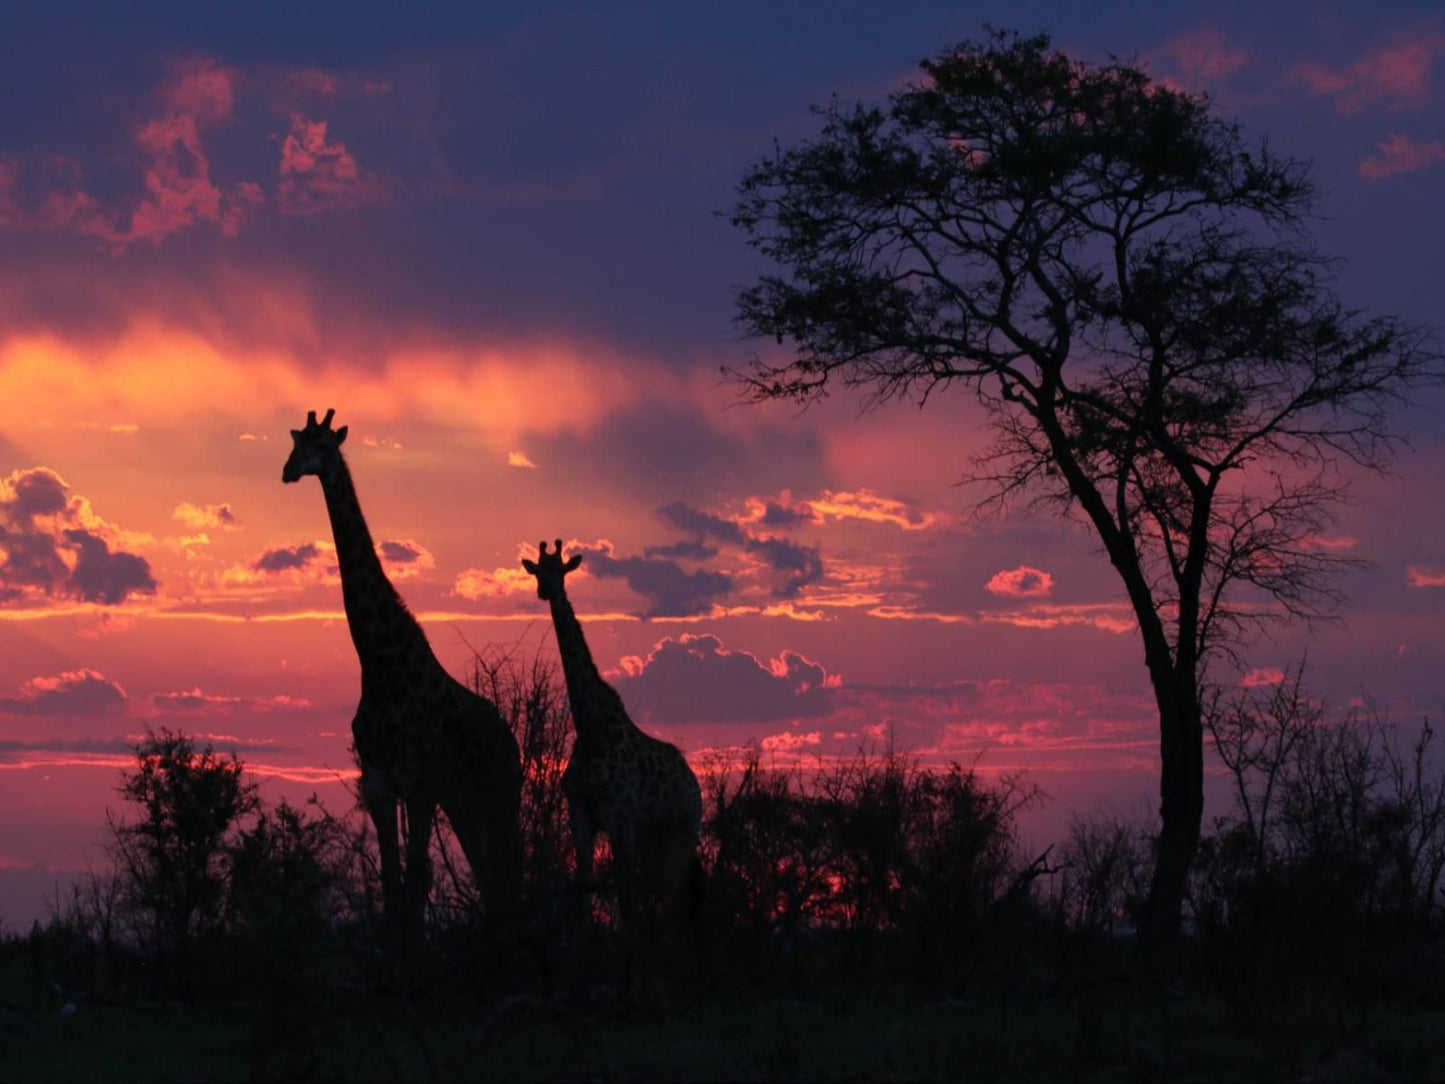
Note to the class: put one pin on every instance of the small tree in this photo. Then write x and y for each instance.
(1123, 282)
(171, 861)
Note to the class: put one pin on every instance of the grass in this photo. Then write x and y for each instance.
(374, 1031)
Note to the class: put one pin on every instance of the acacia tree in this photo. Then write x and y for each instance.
(1124, 282)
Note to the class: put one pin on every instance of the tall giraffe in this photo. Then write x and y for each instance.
(422, 738)
(637, 789)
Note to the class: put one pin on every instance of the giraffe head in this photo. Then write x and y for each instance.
(317, 448)
(549, 568)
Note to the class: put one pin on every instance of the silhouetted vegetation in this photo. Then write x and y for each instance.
(864, 917)
(1125, 283)
(1329, 872)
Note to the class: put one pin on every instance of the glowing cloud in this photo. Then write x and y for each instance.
(1021, 582)
(519, 459)
(1262, 676)
(791, 743)
(478, 583)
(872, 507)
(209, 515)
(193, 700)
(1425, 576)
(163, 375)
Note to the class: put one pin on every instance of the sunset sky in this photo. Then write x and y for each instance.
(492, 242)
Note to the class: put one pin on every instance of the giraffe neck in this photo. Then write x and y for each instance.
(382, 628)
(585, 686)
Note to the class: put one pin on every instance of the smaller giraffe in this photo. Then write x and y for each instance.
(635, 788)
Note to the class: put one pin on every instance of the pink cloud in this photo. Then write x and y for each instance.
(1393, 78)
(73, 692)
(319, 174)
(194, 700)
(1425, 576)
(1401, 154)
(787, 742)
(1205, 54)
(1021, 582)
(47, 191)
(1262, 675)
(178, 172)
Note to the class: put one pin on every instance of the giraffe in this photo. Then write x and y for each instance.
(635, 788)
(421, 737)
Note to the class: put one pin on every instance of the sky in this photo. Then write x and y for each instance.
(494, 239)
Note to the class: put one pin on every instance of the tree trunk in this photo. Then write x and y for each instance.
(1181, 811)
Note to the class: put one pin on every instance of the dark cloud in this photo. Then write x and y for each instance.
(402, 553)
(31, 561)
(227, 743)
(803, 562)
(52, 544)
(671, 591)
(688, 549)
(74, 692)
(35, 492)
(783, 517)
(686, 518)
(653, 450)
(103, 576)
(93, 746)
(285, 558)
(694, 679)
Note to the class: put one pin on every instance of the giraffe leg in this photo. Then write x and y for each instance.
(491, 840)
(584, 839)
(625, 870)
(683, 886)
(420, 815)
(503, 877)
(381, 805)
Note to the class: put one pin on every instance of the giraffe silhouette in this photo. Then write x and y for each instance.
(631, 786)
(422, 738)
